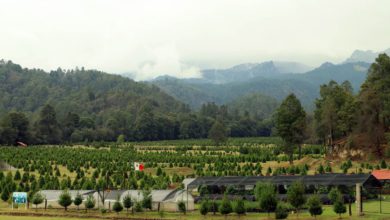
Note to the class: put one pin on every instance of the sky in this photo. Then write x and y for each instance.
(180, 37)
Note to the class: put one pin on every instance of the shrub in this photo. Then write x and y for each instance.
(239, 207)
(138, 207)
(117, 207)
(334, 195)
(204, 207)
(147, 200)
(339, 208)
(296, 195)
(213, 207)
(266, 195)
(314, 206)
(281, 211)
(78, 200)
(127, 202)
(181, 206)
(37, 199)
(65, 199)
(226, 207)
(90, 202)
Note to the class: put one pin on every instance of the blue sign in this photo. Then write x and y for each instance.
(19, 197)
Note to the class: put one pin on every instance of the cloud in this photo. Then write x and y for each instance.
(178, 38)
(164, 60)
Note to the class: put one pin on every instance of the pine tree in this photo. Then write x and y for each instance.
(127, 202)
(239, 207)
(37, 199)
(204, 207)
(217, 133)
(296, 195)
(89, 202)
(266, 195)
(65, 199)
(226, 207)
(339, 207)
(117, 207)
(181, 206)
(78, 200)
(281, 211)
(290, 122)
(314, 206)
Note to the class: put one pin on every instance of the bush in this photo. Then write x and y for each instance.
(147, 200)
(213, 207)
(314, 206)
(117, 207)
(266, 195)
(37, 199)
(138, 207)
(339, 208)
(181, 206)
(239, 207)
(334, 195)
(204, 207)
(281, 211)
(78, 200)
(65, 199)
(127, 202)
(296, 195)
(90, 202)
(226, 207)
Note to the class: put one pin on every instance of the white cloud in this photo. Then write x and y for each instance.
(178, 37)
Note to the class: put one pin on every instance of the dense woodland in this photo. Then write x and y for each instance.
(80, 105)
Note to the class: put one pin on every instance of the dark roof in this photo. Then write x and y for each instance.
(366, 180)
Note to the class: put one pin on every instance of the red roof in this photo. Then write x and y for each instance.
(381, 174)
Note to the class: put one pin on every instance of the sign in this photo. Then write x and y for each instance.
(138, 166)
(19, 197)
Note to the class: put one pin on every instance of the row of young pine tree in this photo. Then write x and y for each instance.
(265, 193)
(268, 201)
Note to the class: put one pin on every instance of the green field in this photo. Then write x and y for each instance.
(371, 213)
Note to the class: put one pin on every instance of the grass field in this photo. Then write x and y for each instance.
(371, 213)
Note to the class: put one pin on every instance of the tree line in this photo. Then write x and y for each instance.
(360, 120)
(211, 121)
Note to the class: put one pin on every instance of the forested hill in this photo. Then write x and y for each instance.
(87, 92)
(196, 92)
(99, 101)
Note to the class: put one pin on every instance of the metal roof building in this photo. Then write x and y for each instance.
(366, 180)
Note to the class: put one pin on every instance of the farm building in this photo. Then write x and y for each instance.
(382, 175)
(166, 200)
(51, 197)
(356, 181)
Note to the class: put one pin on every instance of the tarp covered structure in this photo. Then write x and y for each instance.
(332, 179)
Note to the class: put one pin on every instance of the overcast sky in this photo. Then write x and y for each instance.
(180, 37)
